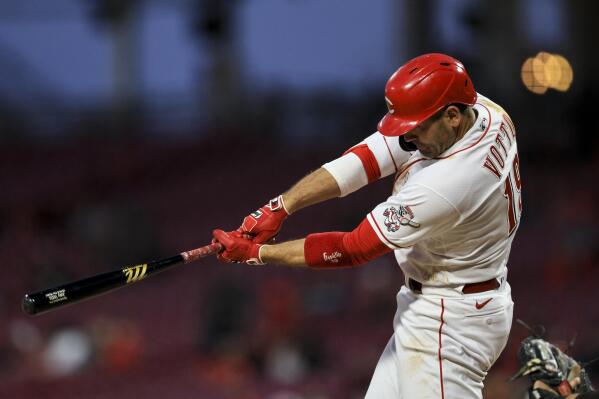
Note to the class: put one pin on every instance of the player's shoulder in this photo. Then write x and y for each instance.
(491, 105)
(456, 177)
(460, 171)
(495, 113)
(446, 178)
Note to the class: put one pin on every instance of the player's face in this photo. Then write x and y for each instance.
(433, 136)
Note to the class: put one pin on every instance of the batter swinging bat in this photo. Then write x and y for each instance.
(53, 298)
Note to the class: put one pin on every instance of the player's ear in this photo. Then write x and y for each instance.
(453, 116)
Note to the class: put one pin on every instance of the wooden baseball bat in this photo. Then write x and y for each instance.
(53, 298)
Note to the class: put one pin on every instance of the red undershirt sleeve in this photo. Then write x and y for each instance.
(340, 249)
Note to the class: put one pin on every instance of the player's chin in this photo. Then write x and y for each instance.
(429, 152)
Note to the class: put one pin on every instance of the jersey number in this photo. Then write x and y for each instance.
(514, 211)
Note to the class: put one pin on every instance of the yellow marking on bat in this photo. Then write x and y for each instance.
(135, 273)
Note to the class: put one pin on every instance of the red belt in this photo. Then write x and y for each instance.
(471, 288)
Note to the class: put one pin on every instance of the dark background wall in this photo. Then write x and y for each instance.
(130, 129)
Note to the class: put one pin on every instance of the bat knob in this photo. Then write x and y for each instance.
(28, 305)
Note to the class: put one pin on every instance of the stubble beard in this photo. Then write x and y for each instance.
(431, 151)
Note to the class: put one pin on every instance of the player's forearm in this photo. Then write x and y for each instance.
(316, 187)
(289, 253)
(328, 250)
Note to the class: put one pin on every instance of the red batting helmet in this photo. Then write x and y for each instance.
(420, 88)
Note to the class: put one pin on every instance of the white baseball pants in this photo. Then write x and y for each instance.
(443, 345)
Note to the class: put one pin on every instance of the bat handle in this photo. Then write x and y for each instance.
(195, 254)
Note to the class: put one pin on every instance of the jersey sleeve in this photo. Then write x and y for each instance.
(416, 213)
(375, 157)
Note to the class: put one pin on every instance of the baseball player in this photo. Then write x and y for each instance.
(450, 220)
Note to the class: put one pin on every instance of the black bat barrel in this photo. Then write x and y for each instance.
(65, 294)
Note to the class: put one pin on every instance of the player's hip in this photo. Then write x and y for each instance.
(426, 311)
(471, 329)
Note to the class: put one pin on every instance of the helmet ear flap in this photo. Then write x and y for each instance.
(409, 147)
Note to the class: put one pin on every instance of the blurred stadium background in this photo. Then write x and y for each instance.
(130, 129)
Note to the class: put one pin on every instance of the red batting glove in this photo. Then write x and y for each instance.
(237, 249)
(234, 233)
(265, 223)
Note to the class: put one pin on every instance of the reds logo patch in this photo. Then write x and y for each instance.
(395, 218)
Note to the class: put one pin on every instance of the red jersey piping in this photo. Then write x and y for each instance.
(440, 346)
(382, 234)
(390, 153)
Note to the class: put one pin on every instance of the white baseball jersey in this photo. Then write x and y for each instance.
(451, 221)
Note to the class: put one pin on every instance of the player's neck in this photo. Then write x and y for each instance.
(467, 123)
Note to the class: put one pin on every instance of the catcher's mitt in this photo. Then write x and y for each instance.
(542, 361)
